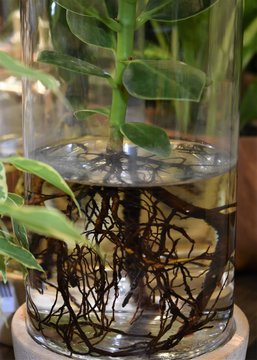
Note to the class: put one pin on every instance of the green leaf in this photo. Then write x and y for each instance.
(164, 80)
(249, 42)
(95, 120)
(250, 10)
(16, 252)
(153, 7)
(85, 7)
(3, 268)
(93, 8)
(90, 31)
(15, 199)
(3, 184)
(173, 10)
(18, 69)
(71, 63)
(149, 137)
(44, 171)
(85, 114)
(19, 230)
(248, 110)
(45, 221)
(20, 233)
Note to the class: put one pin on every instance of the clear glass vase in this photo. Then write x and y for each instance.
(144, 129)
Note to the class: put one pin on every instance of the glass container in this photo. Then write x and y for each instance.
(144, 129)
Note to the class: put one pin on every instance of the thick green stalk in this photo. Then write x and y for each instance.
(125, 45)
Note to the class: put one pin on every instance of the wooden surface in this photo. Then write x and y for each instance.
(246, 299)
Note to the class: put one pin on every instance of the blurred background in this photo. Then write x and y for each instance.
(10, 86)
(246, 257)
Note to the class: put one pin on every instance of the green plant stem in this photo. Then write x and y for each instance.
(125, 45)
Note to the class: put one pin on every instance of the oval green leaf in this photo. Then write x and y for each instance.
(91, 31)
(85, 114)
(166, 80)
(173, 10)
(71, 63)
(149, 137)
(93, 8)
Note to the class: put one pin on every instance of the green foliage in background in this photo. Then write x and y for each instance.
(249, 104)
(49, 222)
(46, 221)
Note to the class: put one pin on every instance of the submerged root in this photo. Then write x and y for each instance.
(142, 232)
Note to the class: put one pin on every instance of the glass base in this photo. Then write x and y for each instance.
(191, 346)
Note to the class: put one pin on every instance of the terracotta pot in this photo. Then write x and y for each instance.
(246, 254)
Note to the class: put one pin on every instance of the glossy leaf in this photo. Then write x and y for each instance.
(45, 221)
(164, 80)
(173, 10)
(93, 8)
(90, 31)
(85, 114)
(149, 137)
(19, 230)
(3, 184)
(42, 170)
(16, 252)
(71, 63)
(18, 69)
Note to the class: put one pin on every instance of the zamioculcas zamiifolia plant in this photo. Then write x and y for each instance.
(132, 76)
